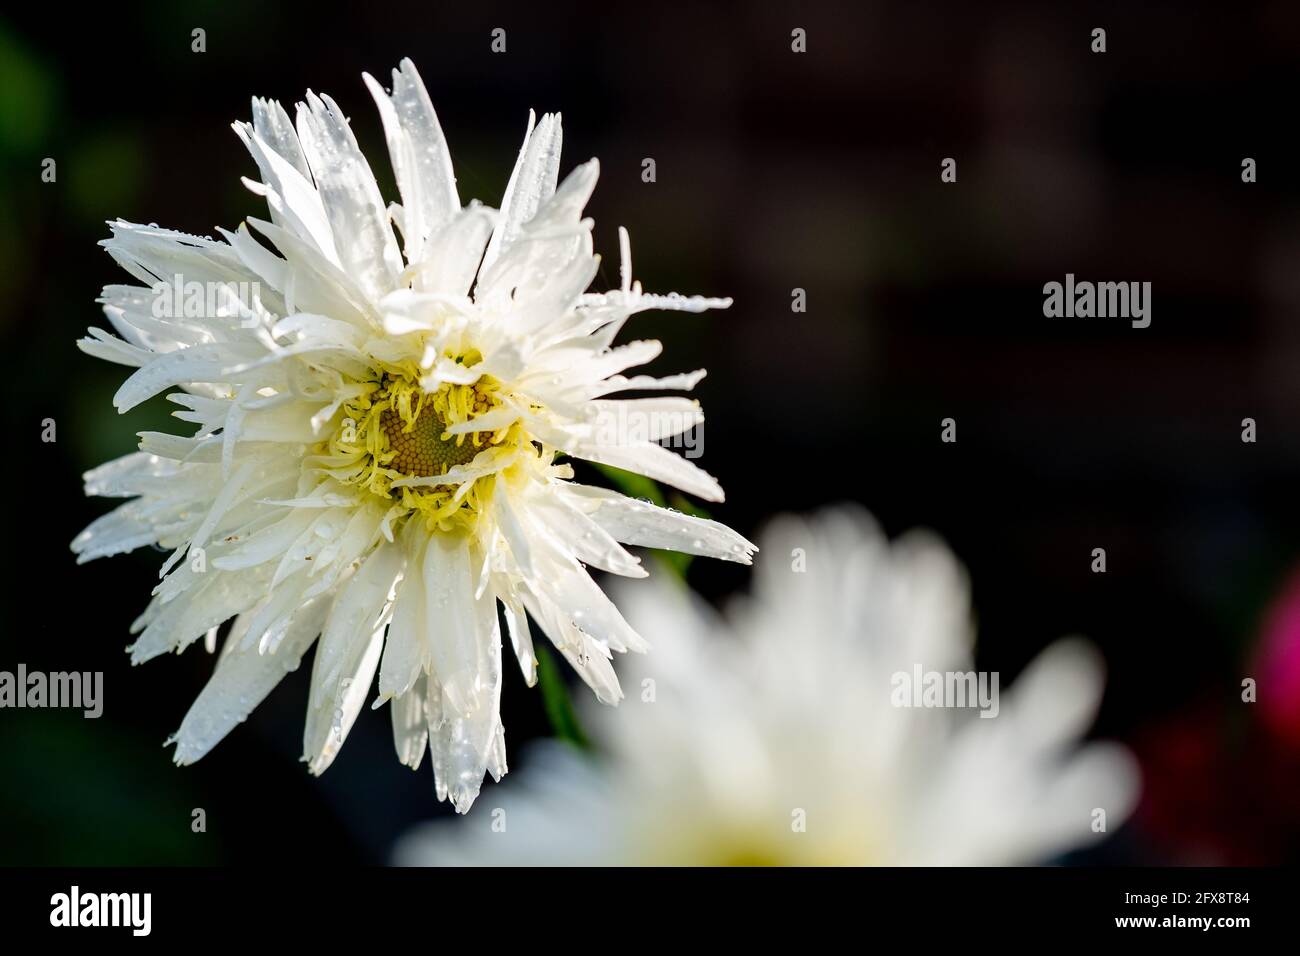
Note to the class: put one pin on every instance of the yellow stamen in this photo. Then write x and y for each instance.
(395, 430)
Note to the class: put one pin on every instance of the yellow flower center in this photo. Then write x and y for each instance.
(394, 436)
(421, 448)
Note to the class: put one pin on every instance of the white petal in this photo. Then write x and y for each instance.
(465, 744)
(642, 523)
(585, 539)
(242, 680)
(294, 202)
(357, 216)
(219, 596)
(406, 652)
(329, 722)
(410, 724)
(357, 611)
(421, 162)
(643, 458)
(531, 183)
(520, 637)
(452, 619)
(452, 253)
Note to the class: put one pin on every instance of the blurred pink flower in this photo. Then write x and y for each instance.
(1276, 664)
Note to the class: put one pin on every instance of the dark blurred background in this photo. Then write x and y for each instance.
(775, 170)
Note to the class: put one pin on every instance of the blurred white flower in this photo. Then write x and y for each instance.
(376, 435)
(771, 736)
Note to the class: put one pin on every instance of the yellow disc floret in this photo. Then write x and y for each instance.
(394, 438)
(421, 447)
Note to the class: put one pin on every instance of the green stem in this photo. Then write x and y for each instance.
(556, 700)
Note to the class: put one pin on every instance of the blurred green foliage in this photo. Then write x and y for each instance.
(556, 700)
(28, 93)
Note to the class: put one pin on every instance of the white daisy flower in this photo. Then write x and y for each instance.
(775, 734)
(377, 435)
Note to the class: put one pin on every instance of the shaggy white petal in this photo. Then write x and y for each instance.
(357, 612)
(356, 212)
(464, 740)
(531, 182)
(241, 681)
(419, 155)
(452, 617)
(411, 724)
(642, 523)
(330, 715)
